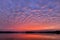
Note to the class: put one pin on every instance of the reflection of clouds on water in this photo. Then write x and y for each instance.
(36, 12)
(29, 36)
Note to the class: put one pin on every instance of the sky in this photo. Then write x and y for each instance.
(22, 15)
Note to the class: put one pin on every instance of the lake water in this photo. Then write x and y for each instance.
(19, 36)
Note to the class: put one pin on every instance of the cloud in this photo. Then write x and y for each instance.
(14, 14)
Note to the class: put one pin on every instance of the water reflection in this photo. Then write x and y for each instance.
(18, 36)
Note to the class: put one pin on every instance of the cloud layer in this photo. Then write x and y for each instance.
(23, 14)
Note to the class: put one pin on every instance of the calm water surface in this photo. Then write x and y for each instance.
(19, 36)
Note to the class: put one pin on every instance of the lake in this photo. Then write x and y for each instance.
(24, 36)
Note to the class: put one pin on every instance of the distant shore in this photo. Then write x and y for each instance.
(51, 32)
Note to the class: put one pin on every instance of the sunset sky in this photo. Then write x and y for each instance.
(22, 15)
